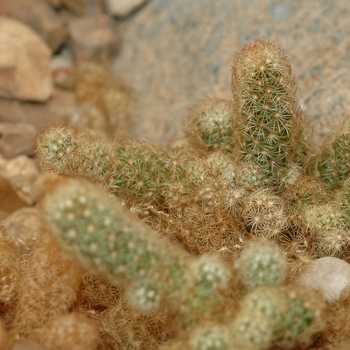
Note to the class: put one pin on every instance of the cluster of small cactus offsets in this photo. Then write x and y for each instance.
(197, 245)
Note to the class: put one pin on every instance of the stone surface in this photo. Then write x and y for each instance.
(44, 183)
(21, 172)
(93, 38)
(122, 8)
(328, 275)
(84, 7)
(55, 111)
(24, 63)
(40, 16)
(17, 138)
(174, 53)
(9, 200)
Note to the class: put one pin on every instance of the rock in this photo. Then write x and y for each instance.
(17, 138)
(122, 8)
(93, 38)
(22, 227)
(44, 183)
(9, 200)
(55, 111)
(83, 7)
(328, 275)
(24, 63)
(39, 16)
(21, 172)
(171, 56)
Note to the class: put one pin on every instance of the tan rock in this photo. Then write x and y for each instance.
(39, 16)
(328, 275)
(93, 38)
(9, 200)
(83, 7)
(16, 139)
(122, 8)
(55, 111)
(44, 183)
(21, 172)
(24, 63)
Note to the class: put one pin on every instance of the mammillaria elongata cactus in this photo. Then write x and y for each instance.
(159, 230)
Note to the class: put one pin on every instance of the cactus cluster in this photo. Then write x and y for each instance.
(195, 245)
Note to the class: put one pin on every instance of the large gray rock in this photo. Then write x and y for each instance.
(176, 52)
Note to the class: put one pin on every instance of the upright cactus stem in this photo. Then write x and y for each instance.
(268, 117)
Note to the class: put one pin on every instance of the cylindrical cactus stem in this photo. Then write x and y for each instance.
(259, 314)
(209, 276)
(208, 124)
(109, 240)
(112, 242)
(263, 263)
(210, 337)
(333, 161)
(282, 317)
(304, 317)
(268, 118)
(129, 169)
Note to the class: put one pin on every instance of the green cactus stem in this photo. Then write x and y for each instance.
(268, 117)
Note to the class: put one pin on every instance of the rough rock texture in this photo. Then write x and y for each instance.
(16, 139)
(39, 16)
(9, 200)
(176, 52)
(55, 111)
(122, 8)
(83, 7)
(24, 63)
(328, 275)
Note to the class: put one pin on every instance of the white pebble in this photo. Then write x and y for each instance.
(328, 275)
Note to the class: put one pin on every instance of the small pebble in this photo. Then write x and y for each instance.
(328, 275)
